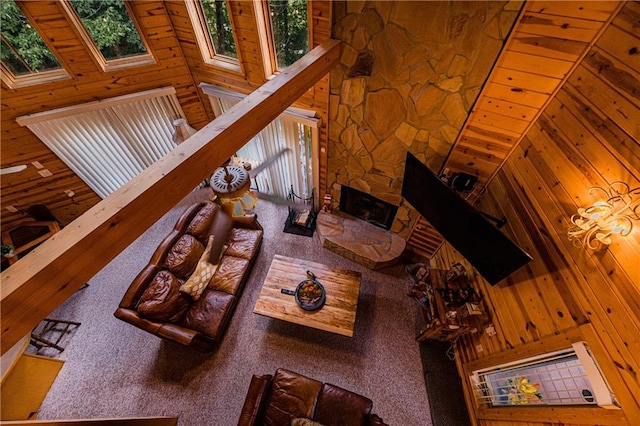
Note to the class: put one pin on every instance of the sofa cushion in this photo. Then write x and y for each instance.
(200, 278)
(336, 404)
(208, 314)
(229, 275)
(243, 242)
(161, 300)
(292, 395)
(201, 223)
(183, 256)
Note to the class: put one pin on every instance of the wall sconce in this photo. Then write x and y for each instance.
(183, 131)
(595, 225)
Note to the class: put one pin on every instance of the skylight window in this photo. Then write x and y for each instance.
(219, 26)
(26, 59)
(290, 30)
(214, 33)
(111, 31)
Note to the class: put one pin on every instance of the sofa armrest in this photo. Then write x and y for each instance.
(249, 221)
(138, 286)
(132, 317)
(255, 402)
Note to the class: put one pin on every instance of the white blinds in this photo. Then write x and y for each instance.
(110, 143)
(293, 168)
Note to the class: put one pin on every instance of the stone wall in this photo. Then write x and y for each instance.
(409, 74)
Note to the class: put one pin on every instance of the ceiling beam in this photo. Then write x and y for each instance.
(38, 283)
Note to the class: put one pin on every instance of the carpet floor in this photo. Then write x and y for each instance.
(113, 369)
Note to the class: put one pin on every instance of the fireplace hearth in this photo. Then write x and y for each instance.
(367, 207)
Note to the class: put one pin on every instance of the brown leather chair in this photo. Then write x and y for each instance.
(279, 399)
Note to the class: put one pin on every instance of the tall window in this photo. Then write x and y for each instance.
(290, 29)
(214, 32)
(295, 129)
(23, 52)
(219, 27)
(108, 142)
(111, 31)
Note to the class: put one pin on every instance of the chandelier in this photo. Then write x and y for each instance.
(595, 225)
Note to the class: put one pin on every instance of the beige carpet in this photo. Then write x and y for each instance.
(113, 369)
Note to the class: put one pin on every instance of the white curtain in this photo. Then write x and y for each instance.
(292, 168)
(109, 143)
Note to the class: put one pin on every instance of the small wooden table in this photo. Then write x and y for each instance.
(338, 315)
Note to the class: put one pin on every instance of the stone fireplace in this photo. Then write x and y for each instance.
(367, 207)
(360, 229)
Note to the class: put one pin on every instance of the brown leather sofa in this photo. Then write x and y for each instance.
(153, 301)
(287, 397)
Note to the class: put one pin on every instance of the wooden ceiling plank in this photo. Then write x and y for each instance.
(525, 80)
(35, 285)
(592, 10)
(621, 45)
(535, 64)
(629, 17)
(515, 94)
(559, 26)
(550, 47)
(509, 109)
(499, 121)
(626, 113)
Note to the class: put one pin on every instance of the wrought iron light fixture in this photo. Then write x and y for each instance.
(594, 226)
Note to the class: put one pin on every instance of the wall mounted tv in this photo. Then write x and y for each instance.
(490, 252)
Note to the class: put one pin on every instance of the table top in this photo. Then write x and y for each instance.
(338, 315)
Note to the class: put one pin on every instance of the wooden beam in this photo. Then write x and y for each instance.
(38, 283)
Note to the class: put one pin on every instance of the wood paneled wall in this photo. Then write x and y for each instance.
(546, 43)
(87, 83)
(168, 31)
(244, 14)
(588, 135)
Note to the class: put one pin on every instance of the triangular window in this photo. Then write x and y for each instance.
(26, 58)
(110, 32)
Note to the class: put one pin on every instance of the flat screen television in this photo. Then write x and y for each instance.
(490, 252)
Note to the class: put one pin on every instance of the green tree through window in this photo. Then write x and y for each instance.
(110, 26)
(23, 51)
(220, 27)
(290, 30)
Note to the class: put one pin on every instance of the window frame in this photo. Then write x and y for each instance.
(17, 81)
(267, 40)
(113, 64)
(205, 41)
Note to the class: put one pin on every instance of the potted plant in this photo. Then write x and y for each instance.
(7, 250)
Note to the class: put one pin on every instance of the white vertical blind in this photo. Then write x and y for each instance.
(292, 168)
(110, 143)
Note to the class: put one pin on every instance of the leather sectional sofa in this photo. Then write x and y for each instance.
(288, 398)
(153, 301)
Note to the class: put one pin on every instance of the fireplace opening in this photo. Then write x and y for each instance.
(367, 207)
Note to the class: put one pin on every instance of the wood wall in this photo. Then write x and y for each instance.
(588, 135)
(88, 83)
(168, 31)
(548, 40)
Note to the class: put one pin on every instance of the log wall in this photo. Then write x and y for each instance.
(88, 83)
(170, 36)
(588, 135)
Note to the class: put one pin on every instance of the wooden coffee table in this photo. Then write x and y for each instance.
(338, 315)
